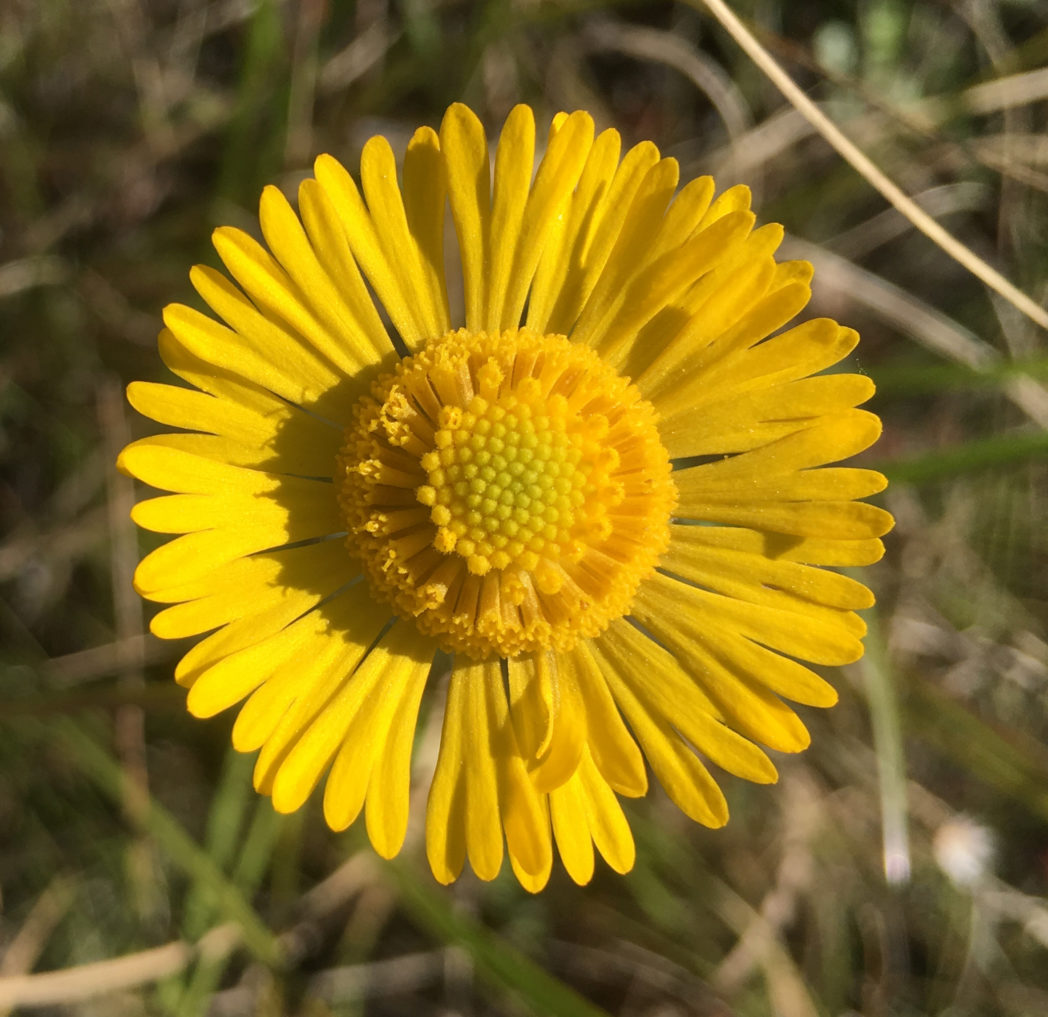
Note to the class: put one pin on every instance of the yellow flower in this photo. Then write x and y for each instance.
(599, 489)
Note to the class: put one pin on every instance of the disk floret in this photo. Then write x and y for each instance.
(507, 491)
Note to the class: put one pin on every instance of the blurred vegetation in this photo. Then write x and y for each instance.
(899, 867)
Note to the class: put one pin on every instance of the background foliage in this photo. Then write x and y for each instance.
(899, 866)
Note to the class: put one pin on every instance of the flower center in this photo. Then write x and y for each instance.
(507, 491)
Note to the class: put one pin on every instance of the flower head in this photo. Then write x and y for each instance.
(601, 490)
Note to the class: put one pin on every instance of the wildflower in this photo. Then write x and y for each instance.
(600, 492)
(964, 849)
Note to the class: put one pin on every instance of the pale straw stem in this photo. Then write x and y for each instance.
(862, 164)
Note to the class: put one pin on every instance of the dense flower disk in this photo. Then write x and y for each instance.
(604, 492)
(507, 492)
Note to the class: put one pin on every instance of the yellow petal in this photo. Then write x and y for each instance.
(571, 829)
(416, 281)
(796, 353)
(706, 652)
(555, 180)
(575, 256)
(586, 813)
(608, 826)
(734, 199)
(548, 709)
(521, 809)
(188, 513)
(465, 148)
(463, 812)
(740, 304)
(483, 823)
(612, 747)
(612, 322)
(342, 628)
(514, 160)
(287, 310)
(328, 239)
(818, 634)
(235, 676)
(685, 779)
(839, 520)
(782, 675)
(632, 230)
(188, 557)
(366, 244)
(648, 677)
(357, 715)
(298, 377)
(351, 710)
(156, 463)
(378, 725)
(390, 786)
(264, 621)
(265, 332)
(425, 194)
(531, 692)
(828, 440)
(283, 440)
(533, 883)
(805, 550)
(250, 586)
(695, 557)
(333, 327)
(446, 805)
(230, 384)
(198, 411)
(741, 419)
(685, 215)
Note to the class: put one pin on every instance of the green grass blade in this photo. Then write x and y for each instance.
(982, 454)
(183, 851)
(497, 962)
(886, 722)
(925, 379)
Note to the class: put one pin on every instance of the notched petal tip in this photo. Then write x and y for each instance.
(424, 137)
(846, 338)
(862, 387)
(774, 233)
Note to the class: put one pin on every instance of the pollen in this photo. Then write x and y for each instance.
(507, 492)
